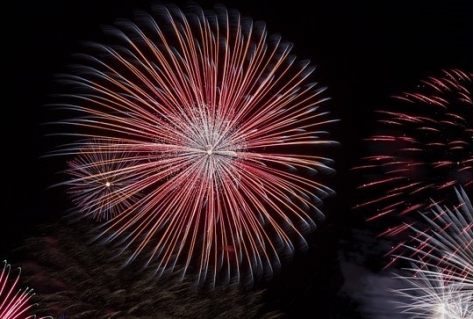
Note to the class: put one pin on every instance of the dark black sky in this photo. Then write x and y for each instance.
(364, 51)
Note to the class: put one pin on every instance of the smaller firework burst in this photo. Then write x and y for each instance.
(440, 277)
(15, 304)
(103, 180)
(422, 149)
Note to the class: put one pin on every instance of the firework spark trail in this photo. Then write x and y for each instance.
(15, 304)
(221, 125)
(440, 278)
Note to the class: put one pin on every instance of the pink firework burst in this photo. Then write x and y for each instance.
(223, 132)
(15, 303)
(423, 148)
(102, 178)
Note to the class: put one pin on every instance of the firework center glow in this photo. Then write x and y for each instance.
(440, 311)
(209, 150)
(207, 132)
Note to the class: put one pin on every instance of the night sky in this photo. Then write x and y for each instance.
(364, 52)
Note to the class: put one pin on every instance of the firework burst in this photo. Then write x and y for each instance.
(423, 149)
(101, 182)
(440, 278)
(428, 295)
(15, 304)
(220, 125)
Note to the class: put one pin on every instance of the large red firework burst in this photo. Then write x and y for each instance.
(14, 302)
(220, 126)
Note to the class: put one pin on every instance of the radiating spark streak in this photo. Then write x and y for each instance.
(15, 303)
